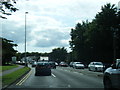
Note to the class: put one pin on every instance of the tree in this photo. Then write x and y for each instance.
(58, 54)
(78, 41)
(7, 50)
(106, 21)
(93, 41)
(7, 5)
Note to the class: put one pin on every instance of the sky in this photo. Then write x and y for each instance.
(48, 22)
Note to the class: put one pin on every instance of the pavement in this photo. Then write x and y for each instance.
(11, 70)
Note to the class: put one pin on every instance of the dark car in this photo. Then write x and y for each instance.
(42, 68)
(52, 65)
(106, 65)
(111, 78)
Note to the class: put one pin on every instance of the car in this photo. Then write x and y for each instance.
(106, 65)
(52, 65)
(43, 68)
(63, 64)
(111, 77)
(71, 64)
(34, 64)
(96, 66)
(56, 63)
(78, 65)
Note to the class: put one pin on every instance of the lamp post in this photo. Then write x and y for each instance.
(25, 40)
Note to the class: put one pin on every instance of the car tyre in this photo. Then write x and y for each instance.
(95, 70)
(36, 74)
(107, 84)
(89, 69)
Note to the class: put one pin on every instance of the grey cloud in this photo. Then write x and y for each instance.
(54, 38)
(16, 33)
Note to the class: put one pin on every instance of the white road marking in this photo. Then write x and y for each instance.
(53, 75)
(69, 86)
(79, 73)
(24, 79)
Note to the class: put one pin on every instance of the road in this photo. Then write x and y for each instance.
(62, 77)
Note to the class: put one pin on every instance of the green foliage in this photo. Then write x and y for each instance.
(58, 54)
(93, 41)
(7, 50)
(8, 67)
(7, 5)
(10, 78)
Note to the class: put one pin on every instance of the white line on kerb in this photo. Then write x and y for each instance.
(53, 75)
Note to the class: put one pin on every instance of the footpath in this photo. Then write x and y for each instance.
(11, 70)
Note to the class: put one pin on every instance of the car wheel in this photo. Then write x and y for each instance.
(89, 69)
(36, 74)
(95, 69)
(107, 84)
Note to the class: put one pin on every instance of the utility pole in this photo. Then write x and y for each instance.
(25, 40)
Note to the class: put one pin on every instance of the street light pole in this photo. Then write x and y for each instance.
(25, 40)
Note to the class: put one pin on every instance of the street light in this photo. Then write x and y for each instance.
(25, 40)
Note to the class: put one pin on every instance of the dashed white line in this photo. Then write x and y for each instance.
(53, 75)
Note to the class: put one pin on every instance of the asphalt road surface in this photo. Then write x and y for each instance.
(62, 77)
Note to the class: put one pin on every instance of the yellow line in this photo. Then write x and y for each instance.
(23, 79)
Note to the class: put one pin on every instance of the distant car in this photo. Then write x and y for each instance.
(78, 65)
(71, 64)
(56, 63)
(42, 68)
(18, 62)
(34, 64)
(111, 77)
(63, 64)
(106, 65)
(96, 66)
(52, 65)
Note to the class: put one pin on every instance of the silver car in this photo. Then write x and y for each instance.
(96, 66)
(78, 65)
(111, 78)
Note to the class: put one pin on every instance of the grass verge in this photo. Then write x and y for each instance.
(9, 78)
(4, 68)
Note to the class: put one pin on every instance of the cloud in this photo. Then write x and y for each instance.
(49, 22)
(49, 38)
(11, 30)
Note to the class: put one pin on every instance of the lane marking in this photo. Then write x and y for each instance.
(25, 78)
(69, 86)
(53, 75)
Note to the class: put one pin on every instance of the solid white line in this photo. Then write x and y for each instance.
(53, 75)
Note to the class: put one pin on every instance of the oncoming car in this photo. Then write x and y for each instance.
(96, 66)
(42, 68)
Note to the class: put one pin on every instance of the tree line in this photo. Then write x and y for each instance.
(98, 40)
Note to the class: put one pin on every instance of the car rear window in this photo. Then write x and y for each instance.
(43, 63)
